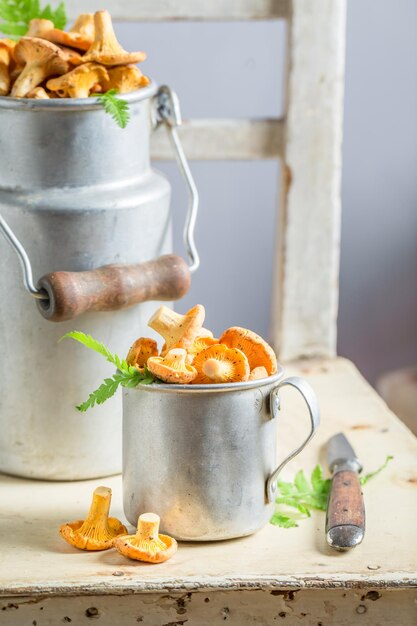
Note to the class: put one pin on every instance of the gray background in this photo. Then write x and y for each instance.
(236, 70)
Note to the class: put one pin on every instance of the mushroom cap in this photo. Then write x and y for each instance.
(141, 351)
(79, 82)
(147, 544)
(41, 59)
(258, 372)
(106, 49)
(257, 350)
(98, 531)
(74, 534)
(179, 331)
(126, 78)
(72, 56)
(200, 343)
(172, 368)
(35, 49)
(220, 364)
(80, 36)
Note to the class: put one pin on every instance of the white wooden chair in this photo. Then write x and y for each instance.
(289, 575)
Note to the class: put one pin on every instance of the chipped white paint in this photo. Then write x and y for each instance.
(306, 292)
(349, 607)
(155, 10)
(223, 139)
(272, 559)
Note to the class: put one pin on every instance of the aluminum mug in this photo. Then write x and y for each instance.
(203, 457)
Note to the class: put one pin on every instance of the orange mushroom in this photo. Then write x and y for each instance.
(41, 59)
(258, 372)
(106, 49)
(38, 93)
(140, 351)
(80, 36)
(258, 352)
(98, 531)
(220, 364)
(72, 56)
(126, 79)
(172, 368)
(179, 331)
(39, 28)
(6, 65)
(147, 545)
(200, 343)
(79, 82)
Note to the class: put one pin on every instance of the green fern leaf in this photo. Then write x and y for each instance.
(116, 107)
(18, 13)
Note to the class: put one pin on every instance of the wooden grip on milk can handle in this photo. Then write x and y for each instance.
(113, 287)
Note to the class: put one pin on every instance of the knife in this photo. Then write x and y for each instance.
(345, 518)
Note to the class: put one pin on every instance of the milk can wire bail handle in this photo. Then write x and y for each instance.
(314, 412)
(167, 112)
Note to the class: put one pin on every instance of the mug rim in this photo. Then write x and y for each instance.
(209, 388)
(73, 104)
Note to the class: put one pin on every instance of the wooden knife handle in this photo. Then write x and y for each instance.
(113, 287)
(345, 522)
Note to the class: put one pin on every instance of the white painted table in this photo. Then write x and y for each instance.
(286, 576)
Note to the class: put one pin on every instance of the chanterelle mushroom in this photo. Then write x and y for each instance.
(172, 368)
(79, 82)
(6, 63)
(200, 343)
(98, 531)
(80, 36)
(258, 352)
(141, 351)
(39, 28)
(179, 331)
(126, 79)
(258, 372)
(147, 545)
(41, 59)
(38, 93)
(220, 364)
(105, 48)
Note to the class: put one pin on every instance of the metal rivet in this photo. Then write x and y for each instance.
(361, 609)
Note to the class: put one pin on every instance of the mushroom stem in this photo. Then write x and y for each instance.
(164, 319)
(147, 535)
(99, 510)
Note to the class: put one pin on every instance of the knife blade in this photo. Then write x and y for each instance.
(345, 518)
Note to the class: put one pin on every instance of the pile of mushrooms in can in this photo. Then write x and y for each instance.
(86, 60)
(192, 355)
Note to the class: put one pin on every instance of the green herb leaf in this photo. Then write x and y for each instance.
(116, 107)
(16, 15)
(126, 376)
(364, 479)
(303, 495)
(278, 519)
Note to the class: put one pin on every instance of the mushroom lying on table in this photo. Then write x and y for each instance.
(98, 531)
(147, 545)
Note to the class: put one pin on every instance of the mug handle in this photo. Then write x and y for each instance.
(311, 401)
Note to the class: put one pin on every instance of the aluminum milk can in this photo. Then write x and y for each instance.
(76, 193)
(203, 457)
